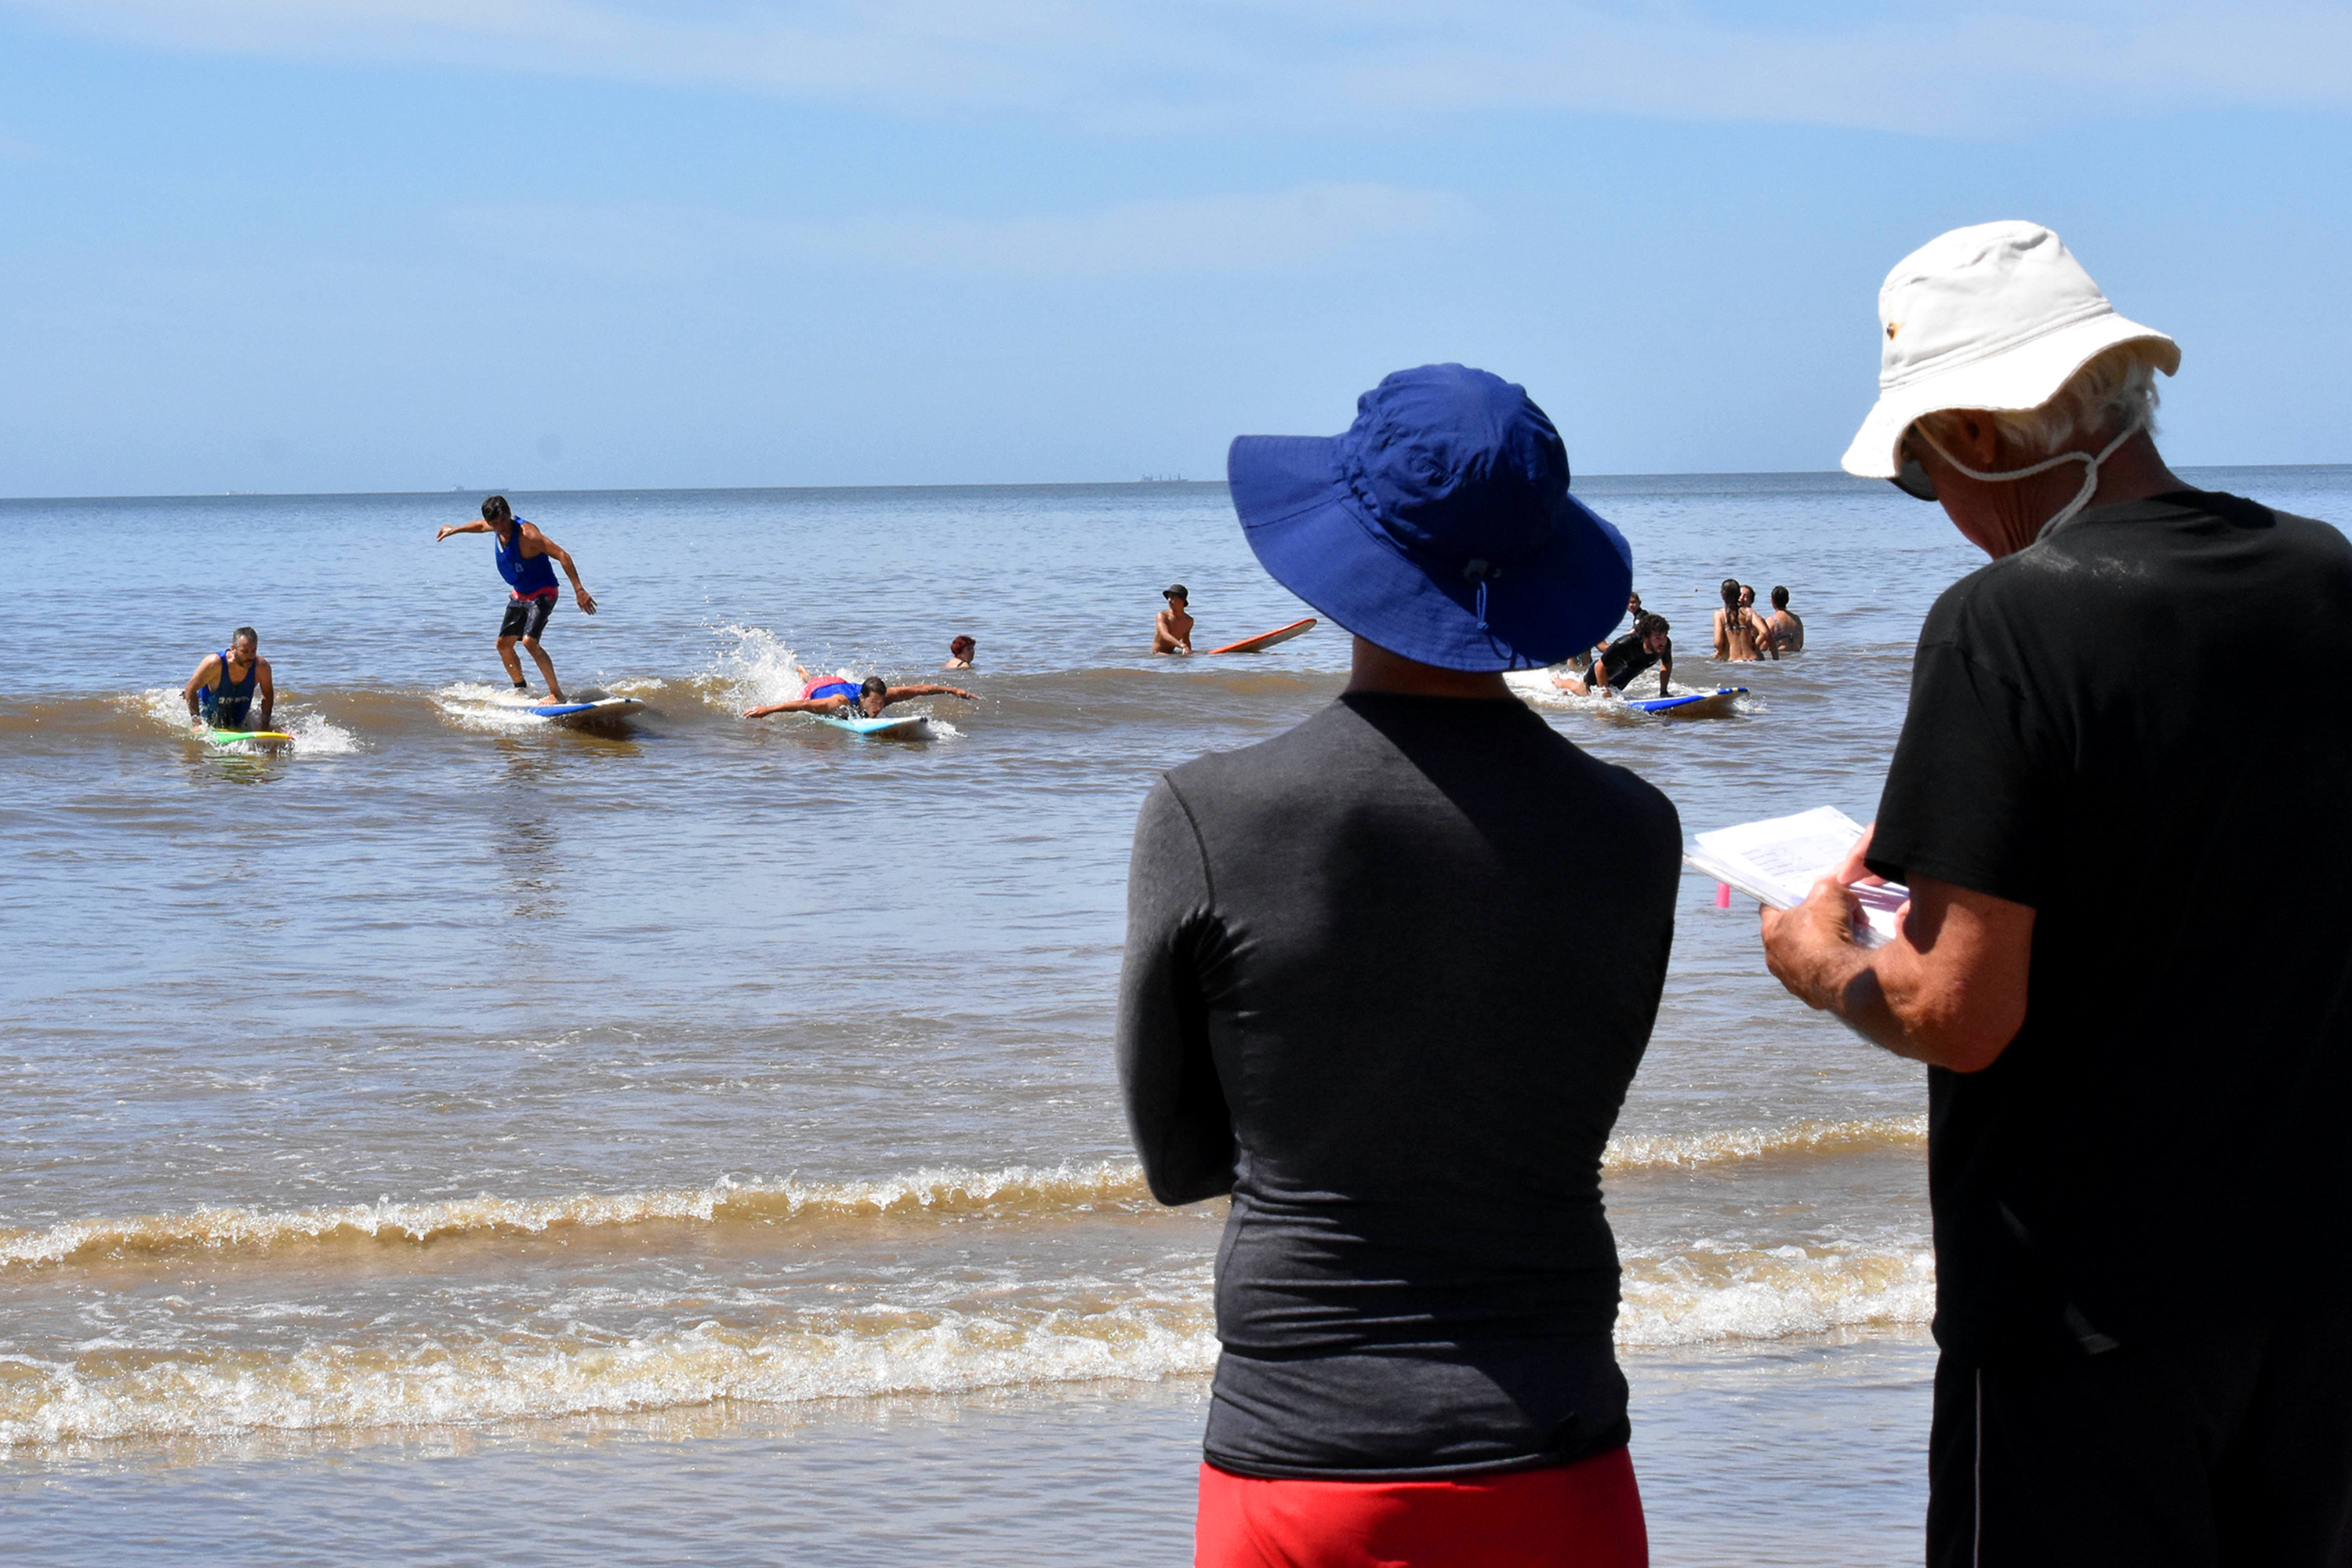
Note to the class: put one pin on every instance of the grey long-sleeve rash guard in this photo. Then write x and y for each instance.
(1360, 994)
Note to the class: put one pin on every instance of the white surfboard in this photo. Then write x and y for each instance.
(602, 711)
(909, 727)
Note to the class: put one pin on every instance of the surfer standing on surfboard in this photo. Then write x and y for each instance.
(1171, 630)
(836, 693)
(527, 559)
(220, 694)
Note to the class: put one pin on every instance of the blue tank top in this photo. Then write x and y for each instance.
(528, 576)
(226, 701)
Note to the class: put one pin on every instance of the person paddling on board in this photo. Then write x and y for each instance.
(1172, 629)
(527, 559)
(838, 695)
(220, 694)
(1620, 661)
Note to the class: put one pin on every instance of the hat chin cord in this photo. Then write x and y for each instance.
(2090, 472)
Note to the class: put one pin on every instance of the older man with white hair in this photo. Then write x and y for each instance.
(2127, 957)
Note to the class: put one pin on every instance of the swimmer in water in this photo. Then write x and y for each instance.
(220, 694)
(1632, 614)
(959, 654)
(1171, 630)
(1787, 632)
(837, 695)
(1616, 666)
(1739, 633)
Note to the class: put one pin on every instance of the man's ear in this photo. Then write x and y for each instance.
(1980, 441)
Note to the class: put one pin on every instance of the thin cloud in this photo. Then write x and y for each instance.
(1213, 234)
(1175, 64)
(1310, 226)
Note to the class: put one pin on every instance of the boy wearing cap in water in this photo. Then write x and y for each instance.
(1171, 631)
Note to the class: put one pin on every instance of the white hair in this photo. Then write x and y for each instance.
(2115, 389)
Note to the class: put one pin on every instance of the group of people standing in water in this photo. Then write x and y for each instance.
(1741, 636)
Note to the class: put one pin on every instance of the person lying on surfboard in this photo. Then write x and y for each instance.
(220, 694)
(1172, 629)
(837, 695)
(1629, 656)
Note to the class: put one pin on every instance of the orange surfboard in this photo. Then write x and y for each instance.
(1264, 640)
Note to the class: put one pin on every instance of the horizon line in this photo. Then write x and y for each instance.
(1839, 474)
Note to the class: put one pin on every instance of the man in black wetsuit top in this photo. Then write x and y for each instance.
(220, 694)
(1629, 656)
(1352, 997)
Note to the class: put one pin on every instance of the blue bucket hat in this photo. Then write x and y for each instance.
(1438, 526)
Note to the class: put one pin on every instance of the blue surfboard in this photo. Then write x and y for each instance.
(1690, 704)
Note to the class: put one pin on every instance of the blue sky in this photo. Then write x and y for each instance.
(411, 244)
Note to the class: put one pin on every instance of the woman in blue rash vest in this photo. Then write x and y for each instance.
(220, 694)
(1354, 996)
(839, 695)
(527, 559)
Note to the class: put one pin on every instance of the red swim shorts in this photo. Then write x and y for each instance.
(1585, 1515)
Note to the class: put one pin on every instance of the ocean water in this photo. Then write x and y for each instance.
(455, 1138)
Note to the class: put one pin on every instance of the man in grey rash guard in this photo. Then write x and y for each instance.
(1353, 999)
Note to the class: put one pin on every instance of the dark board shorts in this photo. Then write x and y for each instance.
(527, 617)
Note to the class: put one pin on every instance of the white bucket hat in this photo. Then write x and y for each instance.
(1995, 316)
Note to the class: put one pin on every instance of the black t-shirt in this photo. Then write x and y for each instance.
(1626, 657)
(2168, 1138)
(1355, 994)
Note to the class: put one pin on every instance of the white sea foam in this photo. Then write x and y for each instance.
(1016, 1189)
(1070, 1330)
(1705, 1293)
(411, 1383)
(942, 1190)
(756, 667)
(479, 705)
(1796, 1140)
(315, 734)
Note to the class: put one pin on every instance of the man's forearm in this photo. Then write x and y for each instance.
(1950, 989)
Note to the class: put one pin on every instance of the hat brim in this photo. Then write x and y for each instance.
(2026, 376)
(1315, 538)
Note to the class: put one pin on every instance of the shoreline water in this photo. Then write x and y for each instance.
(594, 1077)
